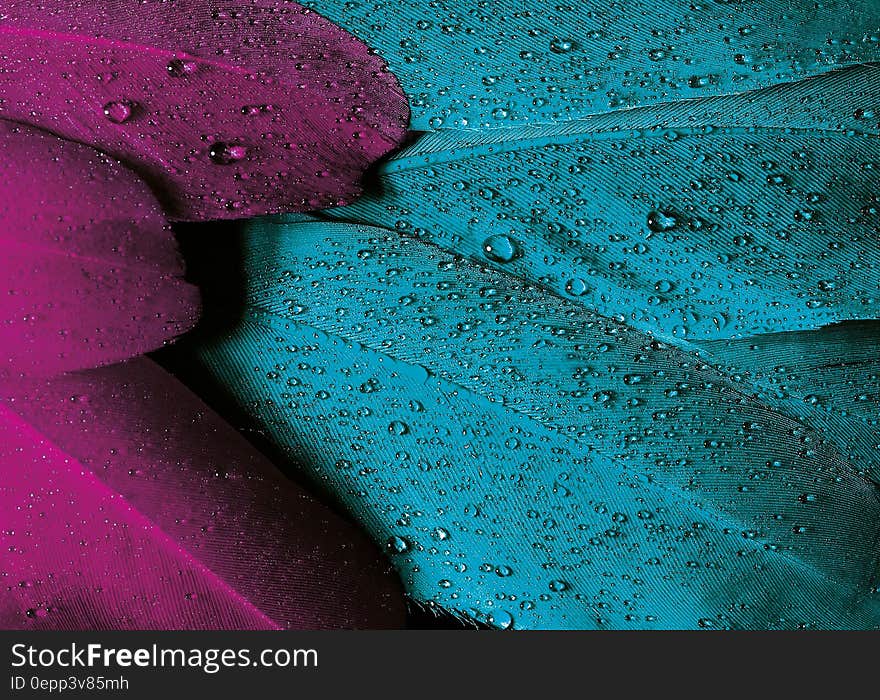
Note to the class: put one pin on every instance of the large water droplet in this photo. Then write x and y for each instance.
(500, 248)
(118, 111)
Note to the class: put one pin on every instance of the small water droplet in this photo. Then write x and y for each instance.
(576, 287)
(661, 221)
(398, 428)
(500, 619)
(558, 45)
(254, 110)
(223, 153)
(397, 545)
(178, 67)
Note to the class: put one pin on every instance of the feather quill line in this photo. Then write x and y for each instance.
(162, 538)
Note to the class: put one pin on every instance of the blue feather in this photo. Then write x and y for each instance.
(472, 64)
(573, 366)
(529, 462)
(705, 219)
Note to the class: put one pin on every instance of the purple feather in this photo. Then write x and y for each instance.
(90, 269)
(227, 114)
(128, 504)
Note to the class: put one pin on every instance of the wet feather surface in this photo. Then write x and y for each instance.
(227, 114)
(532, 463)
(128, 504)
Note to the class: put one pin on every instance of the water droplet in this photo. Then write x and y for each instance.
(398, 428)
(501, 619)
(661, 221)
(223, 153)
(562, 45)
(397, 545)
(118, 111)
(500, 248)
(254, 110)
(178, 67)
(576, 287)
(558, 585)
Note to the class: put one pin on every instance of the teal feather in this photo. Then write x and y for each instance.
(768, 221)
(706, 219)
(474, 64)
(529, 462)
(574, 367)
(828, 379)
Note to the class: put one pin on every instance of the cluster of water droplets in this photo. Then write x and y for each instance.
(692, 233)
(294, 121)
(525, 462)
(558, 60)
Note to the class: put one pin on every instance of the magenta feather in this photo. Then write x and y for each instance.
(227, 114)
(91, 272)
(127, 503)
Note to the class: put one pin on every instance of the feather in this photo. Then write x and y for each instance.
(228, 113)
(475, 64)
(90, 267)
(528, 461)
(128, 504)
(827, 379)
(731, 225)
(697, 220)
(532, 360)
